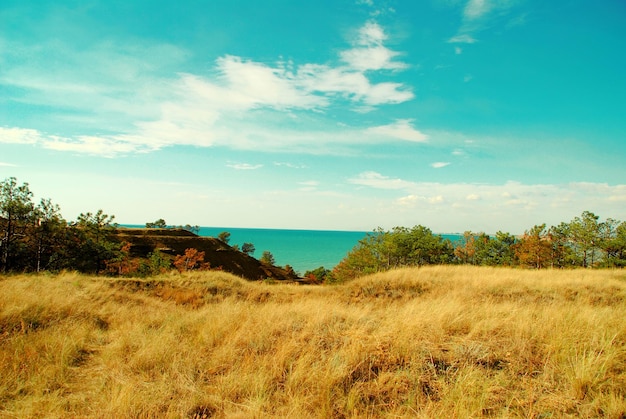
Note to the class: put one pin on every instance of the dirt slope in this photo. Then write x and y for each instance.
(219, 254)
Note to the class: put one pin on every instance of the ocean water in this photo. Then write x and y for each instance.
(304, 250)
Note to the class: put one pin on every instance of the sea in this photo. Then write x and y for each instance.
(303, 250)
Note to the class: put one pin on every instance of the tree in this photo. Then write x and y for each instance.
(465, 251)
(95, 240)
(613, 242)
(16, 210)
(192, 259)
(194, 229)
(123, 264)
(156, 263)
(224, 236)
(584, 233)
(268, 258)
(534, 249)
(494, 251)
(248, 249)
(361, 260)
(619, 245)
(383, 250)
(318, 275)
(48, 238)
(160, 223)
(562, 254)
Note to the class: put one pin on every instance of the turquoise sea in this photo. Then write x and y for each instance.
(304, 250)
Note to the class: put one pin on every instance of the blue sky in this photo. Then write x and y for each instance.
(458, 115)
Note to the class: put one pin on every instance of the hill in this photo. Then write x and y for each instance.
(429, 342)
(219, 255)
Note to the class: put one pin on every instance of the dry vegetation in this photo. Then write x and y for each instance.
(430, 342)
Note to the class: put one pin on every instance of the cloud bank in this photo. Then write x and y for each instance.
(244, 105)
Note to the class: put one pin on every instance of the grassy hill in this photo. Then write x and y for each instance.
(174, 241)
(429, 342)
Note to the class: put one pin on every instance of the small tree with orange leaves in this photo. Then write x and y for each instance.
(534, 250)
(192, 259)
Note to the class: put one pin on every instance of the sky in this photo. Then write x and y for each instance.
(481, 115)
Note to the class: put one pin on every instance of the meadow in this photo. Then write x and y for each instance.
(437, 341)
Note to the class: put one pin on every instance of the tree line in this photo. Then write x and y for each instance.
(585, 241)
(35, 237)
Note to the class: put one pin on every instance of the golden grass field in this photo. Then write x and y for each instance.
(434, 342)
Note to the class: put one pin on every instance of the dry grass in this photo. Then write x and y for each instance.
(430, 342)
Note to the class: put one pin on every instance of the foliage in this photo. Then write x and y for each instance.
(320, 274)
(96, 243)
(160, 223)
(156, 264)
(16, 216)
(534, 248)
(36, 238)
(191, 260)
(268, 258)
(224, 236)
(400, 247)
(248, 249)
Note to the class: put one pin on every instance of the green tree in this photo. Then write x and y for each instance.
(248, 249)
(156, 263)
(16, 216)
(224, 236)
(495, 251)
(562, 253)
(363, 259)
(383, 250)
(48, 237)
(93, 234)
(320, 274)
(613, 242)
(160, 223)
(584, 233)
(268, 258)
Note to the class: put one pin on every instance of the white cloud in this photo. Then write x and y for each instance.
(378, 181)
(106, 147)
(440, 164)
(244, 166)
(259, 99)
(290, 165)
(372, 58)
(474, 9)
(259, 85)
(15, 135)
(477, 15)
(371, 34)
(4, 164)
(462, 39)
(402, 129)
